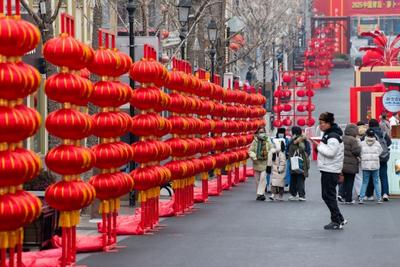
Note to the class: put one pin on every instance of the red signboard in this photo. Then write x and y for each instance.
(357, 7)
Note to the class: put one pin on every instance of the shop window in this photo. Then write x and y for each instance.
(396, 26)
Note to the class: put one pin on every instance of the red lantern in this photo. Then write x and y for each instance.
(286, 77)
(70, 160)
(69, 124)
(64, 51)
(301, 122)
(277, 123)
(301, 93)
(75, 195)
(17, 36)
(17, 80)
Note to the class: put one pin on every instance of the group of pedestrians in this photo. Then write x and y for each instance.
(271, 163)
(362, 150)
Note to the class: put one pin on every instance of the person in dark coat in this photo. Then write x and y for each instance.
(300, 146)
(379, 134)
(352, 151)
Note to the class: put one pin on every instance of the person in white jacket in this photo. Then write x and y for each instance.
(330, 163)
(276, 166)
(370, 151)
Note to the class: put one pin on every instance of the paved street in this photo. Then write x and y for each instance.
(235, 230)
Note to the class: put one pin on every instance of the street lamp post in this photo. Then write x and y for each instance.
(183, 17)
(212, 37)
(131, 8)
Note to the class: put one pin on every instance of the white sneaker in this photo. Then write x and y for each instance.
(385, 197)
(272, 197)
(370, 198)
(380, 201)
(292, 198)
(302, 199)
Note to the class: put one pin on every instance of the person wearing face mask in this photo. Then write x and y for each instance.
(258, 153)
(281, 135)
(299, 146)
(330, 163)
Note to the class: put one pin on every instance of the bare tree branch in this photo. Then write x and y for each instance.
(31, 12)
(56, 10)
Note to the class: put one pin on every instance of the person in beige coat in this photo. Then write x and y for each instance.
(276, 166)
(258, 153)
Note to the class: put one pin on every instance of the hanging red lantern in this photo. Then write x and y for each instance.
(17, 123)
(79, 159)
(64, 51)
(18, 80)
(111, 124)
(78, 89)
(18, 209)
(286, 77)
(76, 195)
(69, 124)
(17, 36)
(18, 167)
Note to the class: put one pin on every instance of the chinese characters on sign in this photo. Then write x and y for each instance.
(375, 4)
(391, 101)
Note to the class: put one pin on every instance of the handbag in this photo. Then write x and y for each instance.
(296, 163)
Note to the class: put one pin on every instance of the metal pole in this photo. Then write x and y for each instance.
(212, 54)
(273, 74)
(182, 36)
(131, 12)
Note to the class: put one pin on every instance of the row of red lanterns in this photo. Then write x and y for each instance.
(109, 124)
(150, 126)
(17, 123)
(69, 124)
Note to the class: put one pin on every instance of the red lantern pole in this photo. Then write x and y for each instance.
(19, 165)
(71, 125)
(109, 124)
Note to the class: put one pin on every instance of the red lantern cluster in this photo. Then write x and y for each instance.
(17, 123)
(109, 125)
(198, 108)
(150, 126)
(319, 54)
(70, 124)
(293, 100)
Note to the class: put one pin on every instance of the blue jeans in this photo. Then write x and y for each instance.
(366, 176)
(384, 178)
(287, 175)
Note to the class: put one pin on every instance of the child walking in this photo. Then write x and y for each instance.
(276, 166)
(370, 151)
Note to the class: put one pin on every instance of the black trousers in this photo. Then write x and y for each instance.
(347, 187)
(297, 185)
(329, 182)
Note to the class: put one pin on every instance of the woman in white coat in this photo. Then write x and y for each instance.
(370, 151)
(276, 166)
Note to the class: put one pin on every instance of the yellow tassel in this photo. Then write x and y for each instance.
(75, 217)
(3, 240)
(217, 172)
(65, 219)
(104, 207)
(21, 236)
(204, 176)
(228, 168)
(143, 196)
(237, 164)
(117, 204)
(12, 239)
(112, 204)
